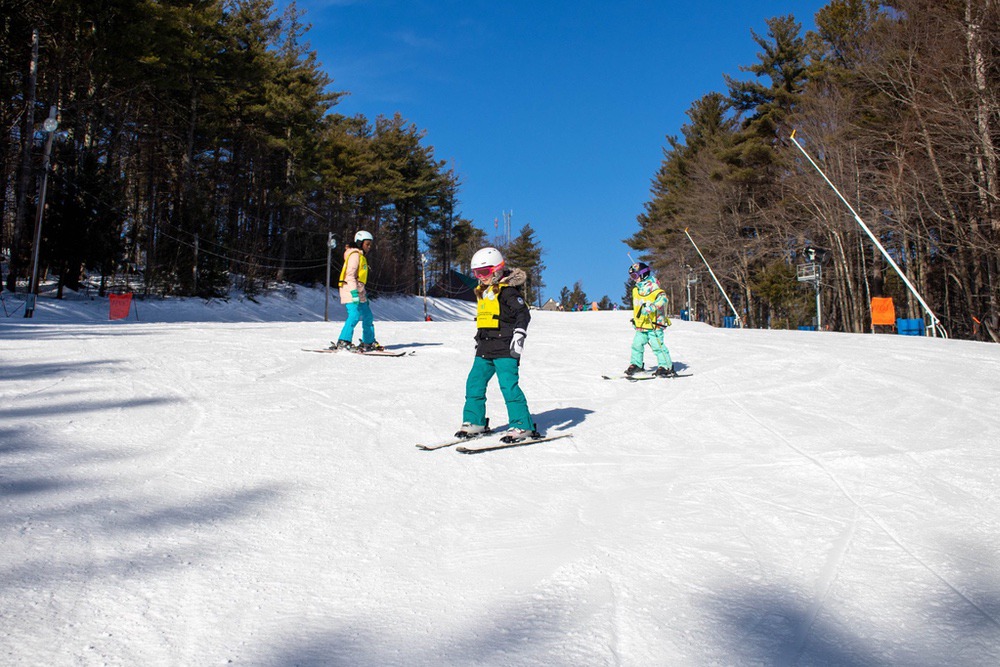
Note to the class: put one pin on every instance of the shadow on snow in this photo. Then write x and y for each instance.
(99, 523)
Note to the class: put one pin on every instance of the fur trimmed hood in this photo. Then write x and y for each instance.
(516, 278)
(513, 277)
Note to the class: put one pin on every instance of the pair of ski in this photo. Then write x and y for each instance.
(645, 376)
(489, 448)
(369, 353)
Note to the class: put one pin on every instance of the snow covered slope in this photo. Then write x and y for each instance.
(180, 492)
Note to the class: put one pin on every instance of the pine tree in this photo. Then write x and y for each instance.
(765, 107)
(691, 189)
(525, 253)
(575, 299)
(212, 118)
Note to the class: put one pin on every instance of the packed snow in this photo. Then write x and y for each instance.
(192, 488)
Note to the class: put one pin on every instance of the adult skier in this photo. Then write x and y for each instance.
(502, 319)
(353, 295)
(649, 319)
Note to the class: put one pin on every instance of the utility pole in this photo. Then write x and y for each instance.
(451, 221)
(27, 136)
(330, 245)
(50, 125)
(194, 269)
(423, 272)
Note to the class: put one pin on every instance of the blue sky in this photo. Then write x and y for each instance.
(554, 111)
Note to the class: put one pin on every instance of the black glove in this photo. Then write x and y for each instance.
(517, 343)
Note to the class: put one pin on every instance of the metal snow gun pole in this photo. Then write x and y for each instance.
(812, 272)
(935, 325)
(739, 321)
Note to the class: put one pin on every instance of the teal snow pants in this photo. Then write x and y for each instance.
(654, 339)
(359, 312)
(506, 370)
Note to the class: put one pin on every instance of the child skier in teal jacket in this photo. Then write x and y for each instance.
(649, 319)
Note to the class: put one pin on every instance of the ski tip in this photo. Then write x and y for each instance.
(510, 445)
(387, 353)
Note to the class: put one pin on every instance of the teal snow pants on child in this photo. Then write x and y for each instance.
(506, 370)
(654, 339)
(359, 312)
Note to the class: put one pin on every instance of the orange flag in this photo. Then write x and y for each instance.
(119, 305)
(883, 311)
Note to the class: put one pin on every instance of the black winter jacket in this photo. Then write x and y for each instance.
(514, 314)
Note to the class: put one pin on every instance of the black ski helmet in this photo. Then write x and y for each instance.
(638, 271)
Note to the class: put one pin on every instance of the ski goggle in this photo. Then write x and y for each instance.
(638, 274)
(484, 272)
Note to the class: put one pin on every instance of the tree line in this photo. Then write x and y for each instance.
(898, 102)
(198, 142)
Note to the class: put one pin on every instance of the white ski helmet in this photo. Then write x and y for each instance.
(363, 236)
(486, 258)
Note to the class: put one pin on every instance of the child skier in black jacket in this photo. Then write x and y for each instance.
(502, 319)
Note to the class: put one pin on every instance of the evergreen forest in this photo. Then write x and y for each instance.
(198, 147)
(898, 102)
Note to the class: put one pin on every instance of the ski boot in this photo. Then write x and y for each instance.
(472, 430)
(514, 435)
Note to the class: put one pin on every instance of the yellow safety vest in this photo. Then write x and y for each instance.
(646, 320)
(488, 306)
(362, 269)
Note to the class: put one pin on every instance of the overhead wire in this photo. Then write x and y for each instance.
(310, 263)
(234, 255)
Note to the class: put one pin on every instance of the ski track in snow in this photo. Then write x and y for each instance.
(840, 552)
(840, 549)
(206, 493)
(827, 577)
